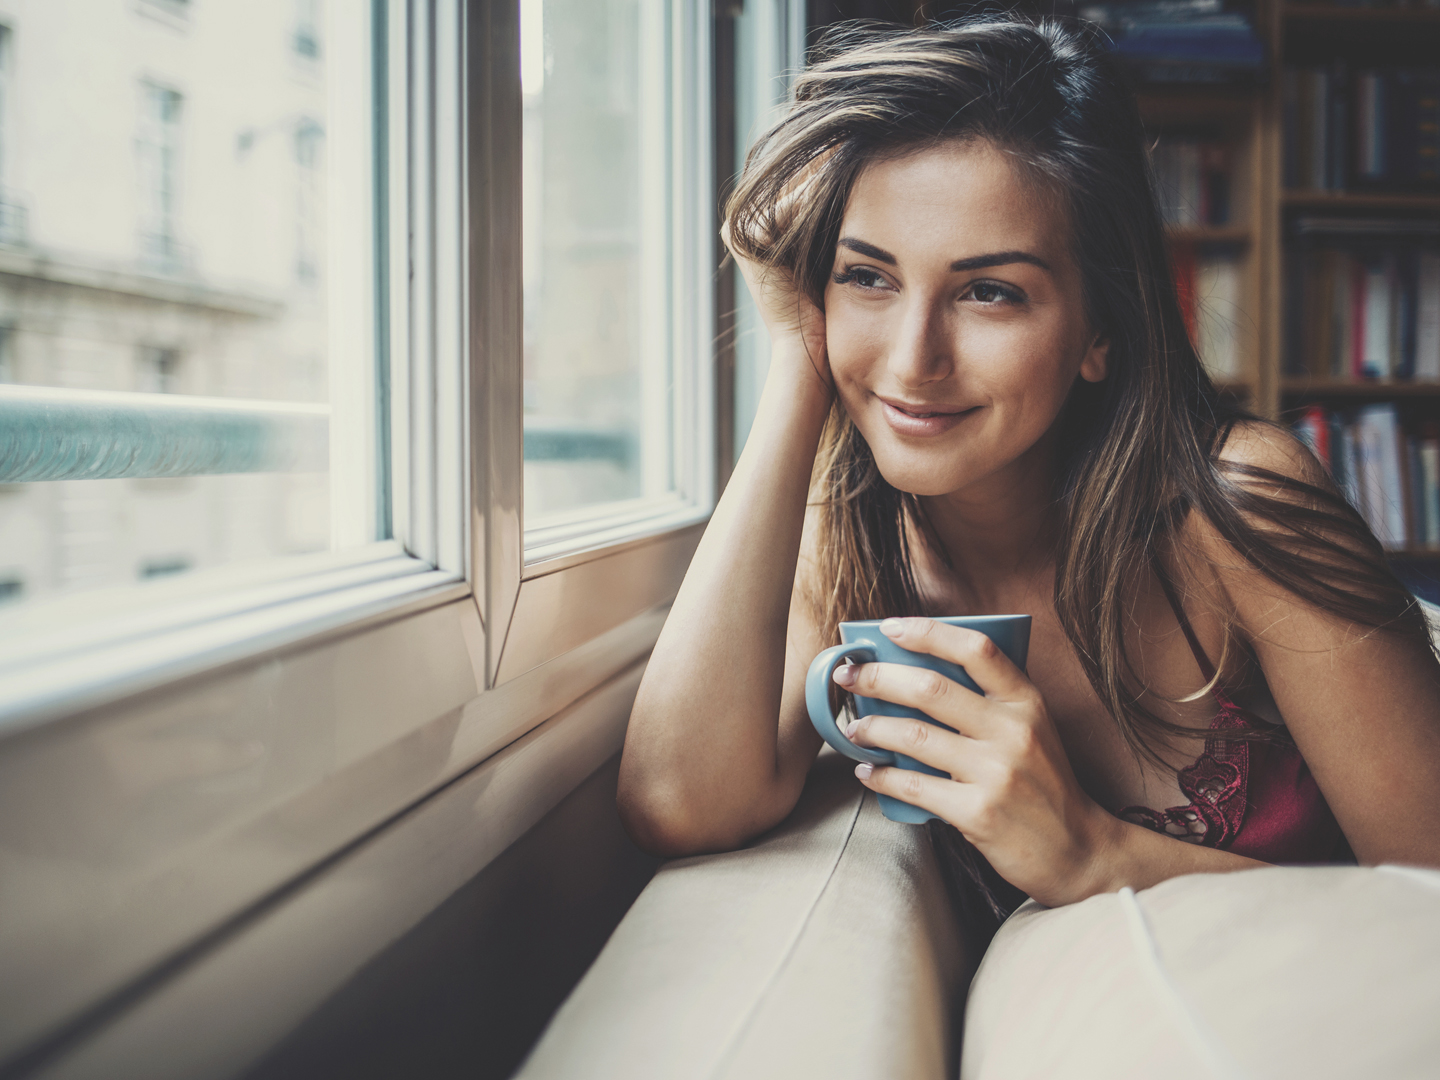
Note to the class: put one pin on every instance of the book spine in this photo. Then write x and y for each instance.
(1343, 459)
(1384, 479)
(1338, 136)
(1367, 132)
(1341, 330)
(1217, 295)
(1430, 484)
(1319, 82)
(1414, 491)
(1358, 275)
(1427, 315)
(1375, 360)
(1427, 128)
(1405, 268)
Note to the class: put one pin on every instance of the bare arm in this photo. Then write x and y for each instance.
(1362, 705)
(719, 744)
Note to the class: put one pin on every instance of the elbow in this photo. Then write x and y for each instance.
(663, 820)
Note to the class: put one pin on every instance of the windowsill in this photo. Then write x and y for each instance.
(567, 541)
(136, 638)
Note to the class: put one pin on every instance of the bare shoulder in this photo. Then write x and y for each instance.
(1277, 486)
(1258, 449)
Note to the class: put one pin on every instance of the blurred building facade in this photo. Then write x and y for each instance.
(162, 230)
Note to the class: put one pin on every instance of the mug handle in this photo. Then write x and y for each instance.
(817, 700)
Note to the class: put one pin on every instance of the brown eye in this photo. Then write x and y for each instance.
(861, 276)
(989, 292)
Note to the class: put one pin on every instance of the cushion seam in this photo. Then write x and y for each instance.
(1212, 1051)
(733, 1042)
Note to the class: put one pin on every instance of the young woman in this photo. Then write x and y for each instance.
(982, 399)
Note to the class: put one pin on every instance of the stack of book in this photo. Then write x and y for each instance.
(1207, 282)
(1183, 41)
(1374, 128)
(1363, 299)
(1193, 180)
(1388, 471)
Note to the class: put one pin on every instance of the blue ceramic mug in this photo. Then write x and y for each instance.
(864, 643)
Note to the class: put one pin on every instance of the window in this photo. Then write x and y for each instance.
(158, 144)
(615, 288)
(157, 370)
(307, 28)
(309, 240)
(769, 51)
(12, 213)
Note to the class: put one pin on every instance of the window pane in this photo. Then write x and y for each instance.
(597, 251)
(174, 391)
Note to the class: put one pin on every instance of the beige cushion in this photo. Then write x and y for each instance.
(825, 949)
(1309, 972)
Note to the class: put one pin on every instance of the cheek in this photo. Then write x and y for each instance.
(854, 341)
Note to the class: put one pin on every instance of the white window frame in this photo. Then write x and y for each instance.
(527, 568)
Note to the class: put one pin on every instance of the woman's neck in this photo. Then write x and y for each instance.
(999, 533)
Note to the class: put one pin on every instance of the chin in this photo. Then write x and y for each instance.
(921, 474)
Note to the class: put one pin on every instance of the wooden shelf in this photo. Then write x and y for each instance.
(1413, 553)
(1208, 234)
(1359, 200)
(1233, 387)
(1367, 16)
(1379, 388)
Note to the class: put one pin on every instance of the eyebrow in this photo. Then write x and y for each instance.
(975, 262)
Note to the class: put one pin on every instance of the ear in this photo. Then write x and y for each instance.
(1095, 365)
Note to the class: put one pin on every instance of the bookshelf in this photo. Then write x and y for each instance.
(1276, 226)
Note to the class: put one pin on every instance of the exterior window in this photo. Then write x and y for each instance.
(12, 213)
(769, 51)
(307, 28)
(159, 151)
(607, 352)
(8, 374)
(157, 371)
(309, 208)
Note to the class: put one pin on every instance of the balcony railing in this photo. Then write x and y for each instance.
(55, 434)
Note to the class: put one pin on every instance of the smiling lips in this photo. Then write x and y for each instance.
(906, 418)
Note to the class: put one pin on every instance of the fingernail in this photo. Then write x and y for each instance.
(845, 674)
(892, 627)
(864, 769)
(850, 726)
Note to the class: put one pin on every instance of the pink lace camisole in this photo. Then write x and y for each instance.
(1256, 799)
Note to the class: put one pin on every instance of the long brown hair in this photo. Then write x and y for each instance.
(1140, 450)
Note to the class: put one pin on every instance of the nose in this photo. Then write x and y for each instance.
(924, 349)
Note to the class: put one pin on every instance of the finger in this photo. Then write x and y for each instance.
(944, 798)
(981, 658)
(956, 754)
(920, 688)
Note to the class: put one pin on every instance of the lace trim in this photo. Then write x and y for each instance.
(1217, 785)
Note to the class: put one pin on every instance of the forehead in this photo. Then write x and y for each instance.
(954, 200)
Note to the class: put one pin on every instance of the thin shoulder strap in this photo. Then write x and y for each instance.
(1207, 669)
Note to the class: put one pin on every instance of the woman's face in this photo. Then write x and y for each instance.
(954, 319)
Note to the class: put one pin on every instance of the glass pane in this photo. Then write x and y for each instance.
(769, 51)
(597, 153)
(174, 388)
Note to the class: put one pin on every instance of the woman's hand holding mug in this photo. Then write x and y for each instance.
(994, 765)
